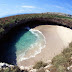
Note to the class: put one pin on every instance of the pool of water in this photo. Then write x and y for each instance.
(21, 45)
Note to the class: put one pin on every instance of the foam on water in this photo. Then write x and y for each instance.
(35, 48)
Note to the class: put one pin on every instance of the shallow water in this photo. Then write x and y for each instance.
(20, 45)
(29, 45)
(25, 41)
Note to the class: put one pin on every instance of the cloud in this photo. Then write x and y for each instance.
(69, 11)
(25, 11)
(55, 6)
(25, 6)
(60, 7)
(21, 10)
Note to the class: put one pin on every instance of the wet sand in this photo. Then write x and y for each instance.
(57, 38)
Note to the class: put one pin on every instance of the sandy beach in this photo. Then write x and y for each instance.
(57, 38)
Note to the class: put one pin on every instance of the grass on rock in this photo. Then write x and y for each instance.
(63, 60)
(39, 64)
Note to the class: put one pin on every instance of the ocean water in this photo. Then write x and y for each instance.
(29, 44)
(21, 45)
(25, 41)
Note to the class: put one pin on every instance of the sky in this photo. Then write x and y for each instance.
(15, 7)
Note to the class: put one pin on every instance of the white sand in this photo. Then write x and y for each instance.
(57, 38)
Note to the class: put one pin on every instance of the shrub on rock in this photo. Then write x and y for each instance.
(39, 65)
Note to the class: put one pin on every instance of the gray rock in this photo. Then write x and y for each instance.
(5, 65)
(33, 70)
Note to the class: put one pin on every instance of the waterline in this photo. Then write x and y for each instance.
(34, 48)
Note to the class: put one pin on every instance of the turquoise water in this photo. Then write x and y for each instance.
(29, 44)
(25, 41)
(21, 44)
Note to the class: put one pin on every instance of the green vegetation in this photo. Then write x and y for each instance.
(1, 30)
(63, 60)
(39, 65)
(41, 70)
(12, 69)
(9, 22)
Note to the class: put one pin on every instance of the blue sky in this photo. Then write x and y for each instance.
(13, 7)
